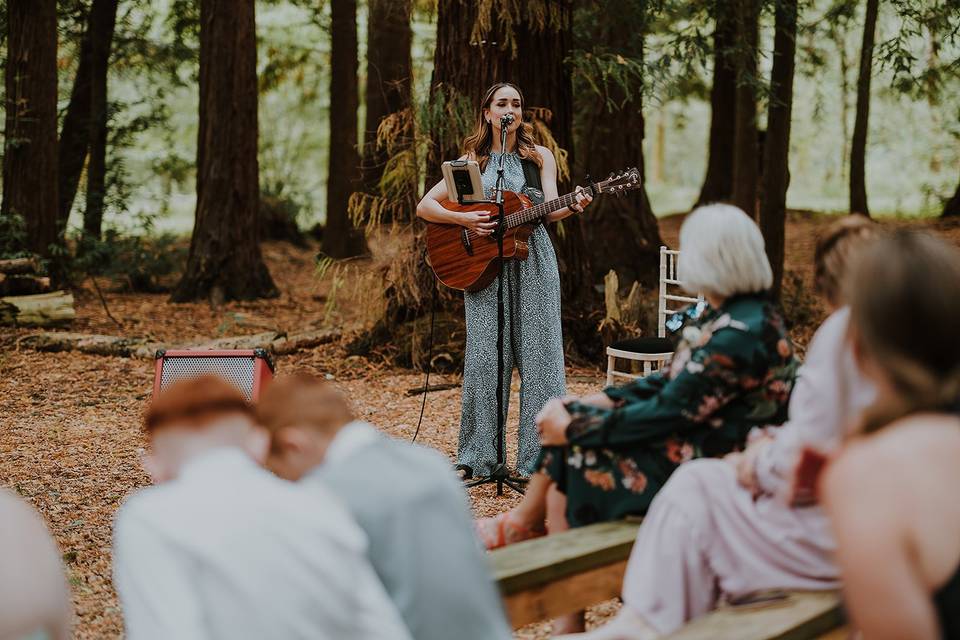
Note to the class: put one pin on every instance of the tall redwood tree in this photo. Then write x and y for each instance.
(952, 207)
(776, 175)
(389, 78)
(340, 238)
(225, 261)
(745, 148)
(858, 146)
(718, 181)
(85, 121)
(610, 132)
(30, 127)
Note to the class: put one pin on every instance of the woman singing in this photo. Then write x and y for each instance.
(532, 334)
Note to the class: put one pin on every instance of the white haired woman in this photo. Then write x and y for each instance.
(606, 455)
(750, 523)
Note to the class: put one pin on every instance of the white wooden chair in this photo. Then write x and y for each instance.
(653, 352)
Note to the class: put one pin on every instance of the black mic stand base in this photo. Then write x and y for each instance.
(501, 476)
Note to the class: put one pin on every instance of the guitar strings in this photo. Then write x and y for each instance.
(524, 215)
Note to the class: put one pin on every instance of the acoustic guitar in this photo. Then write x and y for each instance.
(462, 259)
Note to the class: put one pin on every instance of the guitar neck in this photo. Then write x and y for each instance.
(538, 211)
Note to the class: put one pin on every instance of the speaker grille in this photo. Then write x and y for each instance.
(236, 370)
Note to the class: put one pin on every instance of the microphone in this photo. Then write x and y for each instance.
(506, 120)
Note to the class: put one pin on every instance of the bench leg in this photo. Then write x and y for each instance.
(611, 361)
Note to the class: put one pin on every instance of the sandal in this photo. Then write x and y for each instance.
(500, 530)
(465, 471)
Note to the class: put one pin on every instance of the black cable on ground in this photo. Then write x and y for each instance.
(426, 380)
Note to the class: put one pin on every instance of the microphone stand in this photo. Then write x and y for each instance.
(500, 474)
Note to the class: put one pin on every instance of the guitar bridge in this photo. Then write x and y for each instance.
(465, 240)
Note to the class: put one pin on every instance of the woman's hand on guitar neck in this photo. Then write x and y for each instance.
(477, 221)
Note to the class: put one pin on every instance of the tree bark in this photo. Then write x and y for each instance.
(858, 146)
(340, 238)
(87, 111)
(389, 78)
(952, 207)
(718, 182)
(30, 134)
(745, 148)
(776, 175)
(625, 226)
(225, 262)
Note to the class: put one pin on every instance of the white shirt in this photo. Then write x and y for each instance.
(227, 550)
(828, 398)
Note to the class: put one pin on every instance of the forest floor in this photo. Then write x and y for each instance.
(69, 425)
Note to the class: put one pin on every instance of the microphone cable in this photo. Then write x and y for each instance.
(426, 380)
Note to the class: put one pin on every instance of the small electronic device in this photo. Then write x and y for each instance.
(463, 180)
(760, 599)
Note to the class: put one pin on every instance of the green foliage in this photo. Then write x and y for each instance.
(145, 263)
(913, 54)
(13, 236)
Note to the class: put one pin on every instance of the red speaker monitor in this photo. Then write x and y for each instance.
(248, 369)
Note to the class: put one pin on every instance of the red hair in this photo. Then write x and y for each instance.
(195, 402)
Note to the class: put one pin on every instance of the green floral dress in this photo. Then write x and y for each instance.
(733, 370)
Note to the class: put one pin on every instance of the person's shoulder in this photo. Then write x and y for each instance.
(876, 464)
(544, 152)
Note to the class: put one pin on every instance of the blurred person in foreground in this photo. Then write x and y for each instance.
(891, 493)
(729, 528)
(221, 548)
(34, 598)
(404, 496)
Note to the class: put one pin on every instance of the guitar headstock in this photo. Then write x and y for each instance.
(621, 181)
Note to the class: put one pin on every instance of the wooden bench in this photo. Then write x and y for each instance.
(803, 616)
(547, 577)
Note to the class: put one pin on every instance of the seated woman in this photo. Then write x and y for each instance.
(741, 525)
(890, 494)
(608, 454)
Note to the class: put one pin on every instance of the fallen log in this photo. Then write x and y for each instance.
(19, 266)
(94, 344)
(104, 345)
(42, 310)
(23, 285)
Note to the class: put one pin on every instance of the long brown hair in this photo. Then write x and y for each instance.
(477, 145)
(905, 309)
(835, 252)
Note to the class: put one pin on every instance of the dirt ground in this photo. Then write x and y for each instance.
(69, 424)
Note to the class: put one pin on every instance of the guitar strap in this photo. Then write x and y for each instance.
(531, 174)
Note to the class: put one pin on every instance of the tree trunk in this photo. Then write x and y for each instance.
(96, 175)
(776, 175)
(745, 148)
(87, 110)
(858, 147)
(225, 262)
(340, 238)
(389, 78)
(30, 134)
(952, 208)
(718, 182)
(625, 226)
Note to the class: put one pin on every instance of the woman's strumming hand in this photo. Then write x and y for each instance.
(478, 221)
